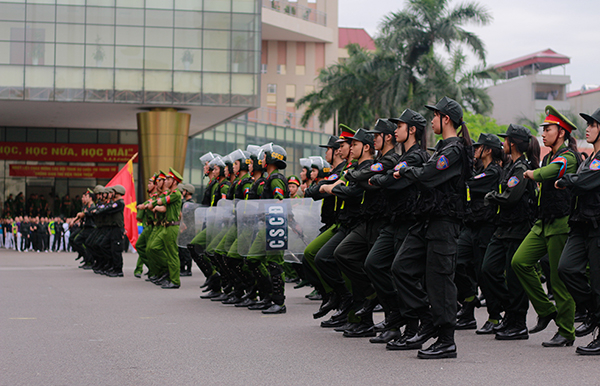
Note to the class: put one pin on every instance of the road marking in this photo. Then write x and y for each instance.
(22, 318)
(147, 317)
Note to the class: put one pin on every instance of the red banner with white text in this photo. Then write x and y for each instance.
(66, 152)
(48, 171)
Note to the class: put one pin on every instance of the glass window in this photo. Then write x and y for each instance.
(245, 6)
(159, 37)
(69, 55)
(188, 19)
(128, 80)
(129, 57)
(130, 36)
(128, 137)
(215, 83)
(130, 16)
(243, 61)
(97, 15)
(194, 5)
(40, 135)
(162, 4)
(217, 20)
(39, 77)
(187, 82)
(82, 136)
(244, 22)
(159, 58)
(130, 3)
(5, 53)
(69, 78)
(39, 32)
(100, 34)
(39, 54)
(159, 18)
(242, 84)
(245, 41)
(217, 5)
(68, 14)
(39, 12)
(216, 39)
(71, 2)
(100, 56)
(62, 135)
(158, 81)
(188, 38)
(186, 59)
(12, 11)
(16, 135)
(70, 33)
(217, 61)
(102, 3)
(108, 136)
(99, 79)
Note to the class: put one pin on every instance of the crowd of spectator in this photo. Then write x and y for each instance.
(40, 234)
(37, 205)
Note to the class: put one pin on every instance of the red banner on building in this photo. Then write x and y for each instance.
(47, 171)
(66, 152)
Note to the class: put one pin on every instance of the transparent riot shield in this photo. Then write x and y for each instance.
(277, 226)
(304, 222)
(187, 226)
(219, 218)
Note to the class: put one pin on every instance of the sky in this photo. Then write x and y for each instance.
(519, 27)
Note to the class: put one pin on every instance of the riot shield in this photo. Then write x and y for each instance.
(277, 226)
(188, 227)
(218, 220)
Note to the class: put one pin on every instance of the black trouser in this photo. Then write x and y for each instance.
(115, 239)
(429, 251)
(57, 237)
(185, 260)
(502, 289)
(326, 264)
(582, 249)
(472, 243)
(79, 244)
(378, 264)
(351, 254)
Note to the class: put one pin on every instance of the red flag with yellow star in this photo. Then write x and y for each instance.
(125, 177)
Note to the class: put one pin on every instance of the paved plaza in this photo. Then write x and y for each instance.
(60, 325)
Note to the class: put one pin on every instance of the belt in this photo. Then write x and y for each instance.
(168, 223)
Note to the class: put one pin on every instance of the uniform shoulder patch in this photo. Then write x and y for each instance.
(332, 177)
(377, 167)
(512, 182)
(442, 163)
(595, 165)
(479, 176)
(114, 205)
(401, 165)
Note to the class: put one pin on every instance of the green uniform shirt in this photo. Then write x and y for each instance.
(548, 172)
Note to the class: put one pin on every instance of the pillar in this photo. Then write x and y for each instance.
(162, 137)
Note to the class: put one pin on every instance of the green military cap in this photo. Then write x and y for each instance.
(175, 175)
(554, 117)
(161, 175)
(119, 189)
(345, 133)
(489, 140)
(98, 189)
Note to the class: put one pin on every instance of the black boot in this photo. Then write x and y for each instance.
(331, 301)
(368, 307)
(363, 329)
(587, 327)
(426, 331)
(516, 329)
(412, 327)
(444, 346)
(468, 307)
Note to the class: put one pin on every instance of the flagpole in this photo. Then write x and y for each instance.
(132, 158)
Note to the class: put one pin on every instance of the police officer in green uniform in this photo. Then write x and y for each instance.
(156, 267)
(164, 244)
(144, 216)
(516, 201)
(401, 197)
(583, 245)
(478, 228)
(424, 267)
(550, 231)
(267, 266)
(336, 156)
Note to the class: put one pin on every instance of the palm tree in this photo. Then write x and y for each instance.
(424, 23)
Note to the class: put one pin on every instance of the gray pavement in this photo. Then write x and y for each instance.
(60, 325)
